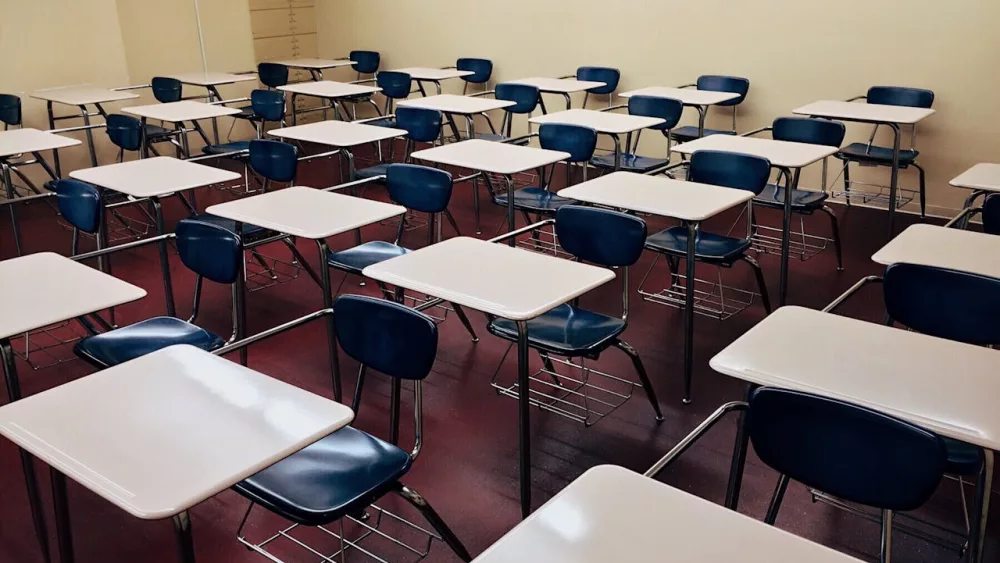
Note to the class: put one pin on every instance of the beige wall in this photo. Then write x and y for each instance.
(793, 53)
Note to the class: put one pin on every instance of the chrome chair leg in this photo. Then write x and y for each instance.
(432, 517)
(885, 554)
(776, 498)
(847, 182)
(835, 228)
(643, 377)
(923, 190)
(981, 508)
(759, 274)
(465, 321)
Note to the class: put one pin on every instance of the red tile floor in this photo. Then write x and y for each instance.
(468, 468)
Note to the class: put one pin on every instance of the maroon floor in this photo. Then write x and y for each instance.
(468, 468)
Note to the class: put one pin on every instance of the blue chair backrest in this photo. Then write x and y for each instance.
(851, 452)
(600, 236)
(79, 204)
(900, 96)
(991, 215)
(272, 75)
(808, 130)
(386, 336)
(524, 96)
(395, 85)
(609, 76)
(733, 84)
(166, 90)
(268, 104)
(274, 160)
(421, 124)
(578, 141)
(483, 69)
(667, 109)
(365, 62)
(730, 169)
(420, 188)
(124, 131)
(944, 303)
(10, 110)
(209, 250)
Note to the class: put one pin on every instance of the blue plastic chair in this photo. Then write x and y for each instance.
(365, 62)
(166, 90)
(874, 155)
(212, 253)
(10, 111)
(483, 69)
(265, 105)
(125, 132)
(609, 76)
(395, 86)
(715, 83)
(990, 215)
(80, 205)
(667, 109)
(272, 75)
(525, 98)
(421, 125)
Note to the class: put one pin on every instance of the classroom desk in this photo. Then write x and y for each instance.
(789, 157)
(80, 96)
(876, 114)
(343, 135)
(161, 433)
(612, 514)
(154, 178)
(690, 202)
(36, 291)
(983, 179)
(563, 86)
(327, 90)
(501, 281)
(433, 75)
(177, 113)
(211, 82)
(690, 97)
(315, 215)
(466, 106)
(940, 247)
(315, 66)
(611, 124)
(494, 158)
(16, 142)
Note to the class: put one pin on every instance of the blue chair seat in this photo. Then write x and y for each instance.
(690, 133)
(963, 459)
(358, 258)
(355, 98)
(342, 473)
(534, 199)
(490, 137)
(859, 152)
(155, 131)
(708, 247)
(565, 330)
(130, 342)
(384, 122)
(379, 169)
(802, 200)
(250, 234)
(224, 148)
(630, 162)
(246, 112)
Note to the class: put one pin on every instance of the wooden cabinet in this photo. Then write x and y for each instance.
(283, 29)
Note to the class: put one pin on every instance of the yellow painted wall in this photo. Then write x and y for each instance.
(793, 53)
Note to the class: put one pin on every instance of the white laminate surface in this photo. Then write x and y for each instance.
(434, 74)
(450, 103)
(306, 212)
(41, 289)
(329, 89)
(983, 176)
(315, 64)
(657, 195)
(594, 520)
(82, 94)
(945, 386)
(558, 85)
(687, 96)
(212, 78)
(505, 281)
(954, 249)
(153, 177)
(18, 141)
(161, 433)
(780, 153)
(860, 111)
(490, 156)
(602, 121)
(337, 133)
(184, 110)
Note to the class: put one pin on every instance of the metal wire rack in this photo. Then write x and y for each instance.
(48, 346)
(711, 298)
(264, 271)
(801, 245)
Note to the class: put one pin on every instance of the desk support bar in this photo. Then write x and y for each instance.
(523, 230)
(695, 434)
(854, 289)
(239, 344)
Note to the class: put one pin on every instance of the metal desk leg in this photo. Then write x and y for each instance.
(168, 287)
(27, 461)
(324, 272)
(143, 140)
(981, 507)
(52, 125)
(90, 135)
(524, 417)
(739, 458)
(702, 114)
(295, 113)
(618, 154)
(689, 312)
(786, 233)
(350, 164)
(510, 207)
(214, 96)
(893, 178)
(64, 531)
(8, 186)
(569, 101)
(185, 542)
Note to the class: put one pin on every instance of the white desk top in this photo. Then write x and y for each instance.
(983, 176)
(315, 64)
(184, 110)
(161, 433)
(82, 94)
(860, 111)
(505, 281)
(306, 212)
(329, 89)
(462, 105)
(558, 85)
(212, 78)
(602, 121)
(337, 133)
(945, 386)
(955, 249)
(688, 201)
(18, 141)
(780, 153)
(490, 156)
(593, 520)
(153, 177)
(687, 96)
(42, 289)
(433, 74)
